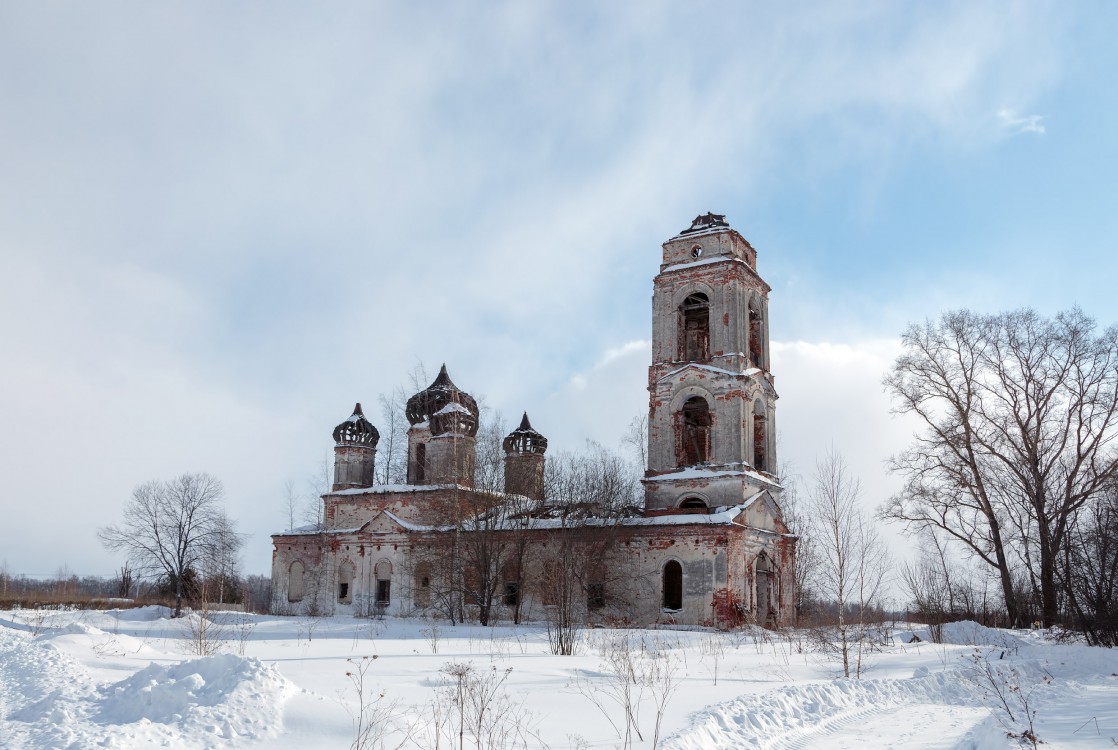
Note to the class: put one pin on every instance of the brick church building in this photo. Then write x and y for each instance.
(707, 546)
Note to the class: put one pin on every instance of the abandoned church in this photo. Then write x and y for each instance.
(707, 545)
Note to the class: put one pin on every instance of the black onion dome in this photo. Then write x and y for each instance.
(431, 405)
(356, 430)
(706, 221)
(524, 439)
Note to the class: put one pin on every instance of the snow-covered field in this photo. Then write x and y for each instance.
(126, 679)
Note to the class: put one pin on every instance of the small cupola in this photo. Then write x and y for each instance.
(524, 461)
(355, 452)
(357, 430)
(525, 440)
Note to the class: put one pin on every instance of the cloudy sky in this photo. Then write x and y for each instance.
(223, 224)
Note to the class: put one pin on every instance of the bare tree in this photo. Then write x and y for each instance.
(318, 482)
(853, 561)
(805, 562)
(1090, 570)
(1019, 415)
(169, 527)
(636, 439)
(392, 461)
(291, 502)
(221, 557)
(587, 496)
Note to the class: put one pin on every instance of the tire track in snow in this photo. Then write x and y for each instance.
(802, 738)
(795, 716)
(929, 726)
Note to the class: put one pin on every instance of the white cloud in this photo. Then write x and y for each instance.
(243, 224)
(1015, 124)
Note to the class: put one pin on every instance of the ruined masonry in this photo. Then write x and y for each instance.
(708, 547)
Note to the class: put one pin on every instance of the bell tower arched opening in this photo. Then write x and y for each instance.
(756, 335)
(694, 333)
(760, 436)
(694, 432)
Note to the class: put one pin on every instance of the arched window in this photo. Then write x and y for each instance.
(694, 329)
(756, 334)
(673, 586)
(383, 574)
(694, 432)
(295, 582)
(760, 436)
(694, 503)
(345, 582)
(423, 584)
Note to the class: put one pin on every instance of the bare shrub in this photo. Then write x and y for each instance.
(376, 716)
(473, 708)
(1011, 691)
(634, 671)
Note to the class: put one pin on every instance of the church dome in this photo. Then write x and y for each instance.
(524, 439)
(357, 430)
(445, 406)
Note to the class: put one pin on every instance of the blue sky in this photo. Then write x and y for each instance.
(222, 225)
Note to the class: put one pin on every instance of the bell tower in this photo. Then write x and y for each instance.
(711, 412)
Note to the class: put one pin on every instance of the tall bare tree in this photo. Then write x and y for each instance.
(1019, 416)
(392, 452)
(1091, 570)
(169, 528)
(586, 496)
(853, 561)
(805, 562)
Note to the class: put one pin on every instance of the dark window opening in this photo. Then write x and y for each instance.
(756, 330)
(596, 596)
(694, 316)
(694, 435)
(512, 594)
(673, 586)
(420, 462)
(383, 591)
(422, 595)
(760, 437)
(694, 503)
(343, 592)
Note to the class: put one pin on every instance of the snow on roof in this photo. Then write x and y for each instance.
(452, 407)
(697, 472)
(313, 528)
(382, 489)
(709, 368)
(703, 262)
(687, 234)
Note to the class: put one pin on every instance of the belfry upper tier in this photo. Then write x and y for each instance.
(709, 239)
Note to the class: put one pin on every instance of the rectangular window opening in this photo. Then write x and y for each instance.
(383, 591)
(596, 596)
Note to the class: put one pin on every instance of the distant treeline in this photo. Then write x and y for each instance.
(123, 590)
